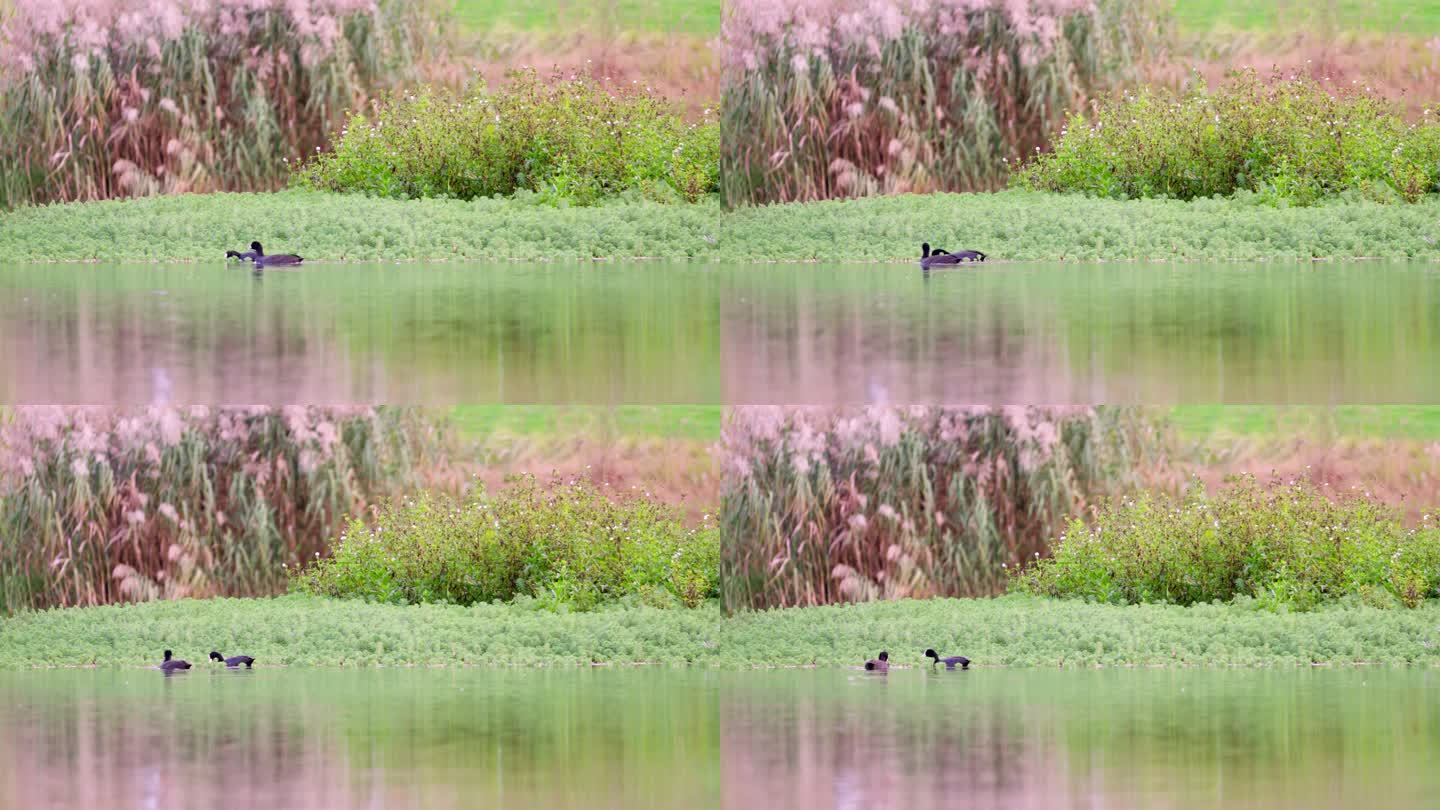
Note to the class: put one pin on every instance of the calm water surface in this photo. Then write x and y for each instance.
(1079, 334)
(689, 334)
(1184, 740)
(339, 334)
(301, 739)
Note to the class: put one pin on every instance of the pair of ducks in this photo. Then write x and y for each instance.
(882, 664)
(173, 664)
(257, 255)
(940, 258)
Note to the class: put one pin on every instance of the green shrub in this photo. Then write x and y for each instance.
(569, 138)
(110, 506)
(568, 544)
(822, 505)
(1293, 139)
(1286, 544)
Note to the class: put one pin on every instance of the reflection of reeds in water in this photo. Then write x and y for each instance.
(820, 752)
(408, 739)
(842, 98)
(829, 505)
(98, 507)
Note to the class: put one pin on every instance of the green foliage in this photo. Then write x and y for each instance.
(1292, 139)
(568, 545)
(669, 17)
(1286, 545)
(349, 227)
(568, 139)
(828, 505)
(1014, 630)
(1009, 225)
(1023, 630)
(162, 504)
(1022, 225)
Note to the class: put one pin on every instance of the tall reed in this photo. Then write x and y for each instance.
(132, 97)
(99, 507)
(830, 505)
(844, 98)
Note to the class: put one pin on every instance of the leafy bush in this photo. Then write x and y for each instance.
(569, 138)
(1286, 544)
(846, 98)
(569, 544)
(829, 505)
(99, 507)
(132, 97)
(1293, 138)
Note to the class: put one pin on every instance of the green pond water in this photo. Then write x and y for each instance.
(655, 333)
(339, 334)
(653, 738)
(301, 739)
(1316, 334)
(1182, 740)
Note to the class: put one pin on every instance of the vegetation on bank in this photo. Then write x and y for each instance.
(689, 17)
(345, 227)
(567, 138)
(1014, 630)
(1292, 140)
(99, 507)
(1395, 16)
(845, 99)
(1286, 545)
(130, 98)
(569, 545)
(1038, 226)
(824, 505)
(1009, 226)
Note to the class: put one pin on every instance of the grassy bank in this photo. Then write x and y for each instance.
(336, 227)
(1054, 227)
(1010, 631)
(1012, 225)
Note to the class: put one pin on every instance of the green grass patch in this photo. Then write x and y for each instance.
(1010, 225)
(1198, 422)
(697, 17)
(1283, 16)
(324, 226)
(1037, 226)
(689, 422)
(1014, 630)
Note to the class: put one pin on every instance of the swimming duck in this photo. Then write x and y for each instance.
(248, 255)
(233, 661)
(940, 258)
(881, 664)
(949, 662)
(173, 664)
(278, 260)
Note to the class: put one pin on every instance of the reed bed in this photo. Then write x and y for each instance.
(111, 506)
(125, 98)
(835, 505)
(845, 98)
